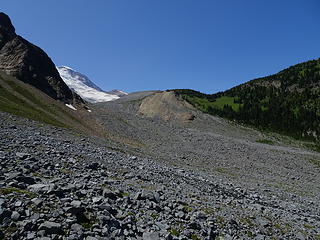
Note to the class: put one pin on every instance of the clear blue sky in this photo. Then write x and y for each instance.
(205, 45)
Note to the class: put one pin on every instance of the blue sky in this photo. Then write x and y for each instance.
(206, 45)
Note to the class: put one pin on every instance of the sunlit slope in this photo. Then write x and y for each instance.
(287, 102)
(24, 100)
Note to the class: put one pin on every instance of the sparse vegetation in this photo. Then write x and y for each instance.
(8, 231)
(20, 99)
(124, 194)
(155, 216)
(195, 237)
(246, 221)
(265, 141)
(15, 105)
(87, 225)
(220, 221)
(65, 171)
(308, 226)
(315, 162)
(174, 232)
(317, 237)
(208, 210)
(313, 146)
(10, 190)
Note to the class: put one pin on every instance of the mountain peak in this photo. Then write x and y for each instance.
(30, 64)
(7, 30)
(83, 86)
(65, 70)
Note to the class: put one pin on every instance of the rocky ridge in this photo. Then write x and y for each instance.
(30, 64)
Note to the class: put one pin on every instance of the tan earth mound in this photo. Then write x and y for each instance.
(166, 106)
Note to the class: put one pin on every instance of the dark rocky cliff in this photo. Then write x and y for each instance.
(30, 64)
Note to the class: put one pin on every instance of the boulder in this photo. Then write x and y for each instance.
(51, 228)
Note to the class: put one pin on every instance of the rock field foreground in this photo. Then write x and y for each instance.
(55, 184)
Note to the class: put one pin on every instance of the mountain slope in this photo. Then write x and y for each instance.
(287, 102)
(83, 86)
(29, 63)
(166, 106)
(19, 98)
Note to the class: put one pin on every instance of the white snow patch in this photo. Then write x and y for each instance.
(89, 110)
(69, 68)
(70, 106)
(77, 83)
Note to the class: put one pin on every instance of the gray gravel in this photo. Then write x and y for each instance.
(57, 184)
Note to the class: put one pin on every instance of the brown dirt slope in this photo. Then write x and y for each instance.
(166, 106)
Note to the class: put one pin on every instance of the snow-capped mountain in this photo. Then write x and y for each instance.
(83, 86)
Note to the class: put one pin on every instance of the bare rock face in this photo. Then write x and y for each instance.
(7, 31)
(30, 64)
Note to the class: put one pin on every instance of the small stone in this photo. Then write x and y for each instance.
(31, 235)
(180, 214)
(201, 216)
(22, 155)
(15, 216)
(129, 175)
(76, 227)
(150, 236)
(76, 203)
(91, 238)
(93, 166)
(37, 201)
(97, 199)
(18, 204)
(156, 197)
(108, 194)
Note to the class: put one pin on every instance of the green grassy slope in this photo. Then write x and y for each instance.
(19, 104)
(287, 102)
(26, 101)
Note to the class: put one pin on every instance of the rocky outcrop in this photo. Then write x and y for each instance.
(30, 64)
(166, 106)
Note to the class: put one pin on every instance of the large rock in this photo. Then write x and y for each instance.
(51, 228)
(29, 63)
(26, 179)
(42, 188)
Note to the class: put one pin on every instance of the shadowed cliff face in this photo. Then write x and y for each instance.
(30, 64)
(7, 31)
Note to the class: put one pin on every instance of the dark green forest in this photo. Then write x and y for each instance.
(287, 102)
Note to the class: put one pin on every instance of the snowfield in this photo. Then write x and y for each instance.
(83, 86)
